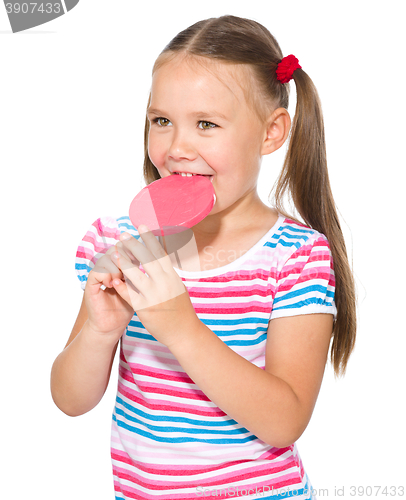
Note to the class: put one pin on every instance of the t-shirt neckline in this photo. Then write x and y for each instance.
(235, 263)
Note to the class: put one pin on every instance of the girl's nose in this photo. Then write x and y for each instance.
(181, 148)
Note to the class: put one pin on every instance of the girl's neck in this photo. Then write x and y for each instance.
(241, 216)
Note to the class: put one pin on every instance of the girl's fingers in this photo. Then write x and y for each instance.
(129, 270)
(123, 290)
(105, 270)
(127, 252)
(152, 256)
(135, 282)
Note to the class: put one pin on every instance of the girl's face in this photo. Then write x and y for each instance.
(202, 124)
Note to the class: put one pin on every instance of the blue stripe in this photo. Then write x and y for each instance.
(249, 342)
(302, 291)
(235, 321)
(222, 334)
(83, 267)
(243, 331)
(127, 226)
(307, 231)
(140, 335)
(217, 322)
(186, 430)
(159, 418)
(307, 302)
(283, 243)
(182, 439)
(283, 237)
(302, 238)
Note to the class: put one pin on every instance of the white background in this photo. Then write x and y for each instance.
(73, 94)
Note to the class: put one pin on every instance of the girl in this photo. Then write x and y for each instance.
(221, 357)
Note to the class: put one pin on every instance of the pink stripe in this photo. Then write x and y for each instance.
(85, 253)
(294, 223)
(304, 278)
(290, 479)
(172, 470)
(94, 239)
(99, 246)
(183, 470)
(259, 290)
(160, 374)
(232, 309)
(156, 404)
(105, 230)
(235, 276)
(224, 480)
(151, 388)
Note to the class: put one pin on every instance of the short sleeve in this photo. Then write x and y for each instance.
(306, 282)
(101, 235)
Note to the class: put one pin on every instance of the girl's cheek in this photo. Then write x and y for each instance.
(154, 154)
(156, 150)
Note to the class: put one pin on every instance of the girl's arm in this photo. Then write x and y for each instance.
(275, 404)
(81, 373)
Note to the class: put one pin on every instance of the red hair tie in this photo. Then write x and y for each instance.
(286, 68)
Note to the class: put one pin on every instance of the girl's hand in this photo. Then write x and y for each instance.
(108, 313)
(159, 297)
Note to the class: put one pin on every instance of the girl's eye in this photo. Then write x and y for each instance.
(206, 125)
(162, 122)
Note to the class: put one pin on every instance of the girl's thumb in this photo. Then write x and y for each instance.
(122, 289)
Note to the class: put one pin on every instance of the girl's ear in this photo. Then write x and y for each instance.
(277, 131)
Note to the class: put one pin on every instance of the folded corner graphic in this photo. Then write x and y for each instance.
(24, 15)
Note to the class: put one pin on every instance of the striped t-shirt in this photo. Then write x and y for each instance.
(168, 440)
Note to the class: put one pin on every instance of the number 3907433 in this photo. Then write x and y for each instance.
(373, 491)
(30, 8)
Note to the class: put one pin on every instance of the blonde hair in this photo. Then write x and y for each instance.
(304, 176)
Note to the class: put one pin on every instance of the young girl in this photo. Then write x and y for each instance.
(221, 357)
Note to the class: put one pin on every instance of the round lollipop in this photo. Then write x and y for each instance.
(173, 204)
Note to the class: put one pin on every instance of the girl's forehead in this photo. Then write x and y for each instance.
(208, 79)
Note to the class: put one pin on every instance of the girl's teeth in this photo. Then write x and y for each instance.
(190, 175)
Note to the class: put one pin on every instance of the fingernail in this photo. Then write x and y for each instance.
(143, 229)
(116, 282)
(126, 236)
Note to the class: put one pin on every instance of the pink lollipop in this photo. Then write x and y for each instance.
(173, 204)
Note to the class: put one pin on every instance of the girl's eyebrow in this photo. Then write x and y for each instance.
(154, 111)
(210, 114)
(198, 114)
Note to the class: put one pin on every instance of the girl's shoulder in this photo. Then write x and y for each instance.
(293, 234)
(111, 227)
(103, 233)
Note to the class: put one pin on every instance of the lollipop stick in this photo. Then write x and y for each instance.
(166, 251)
(163, 239)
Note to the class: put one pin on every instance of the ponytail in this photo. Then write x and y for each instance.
(305, 176)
